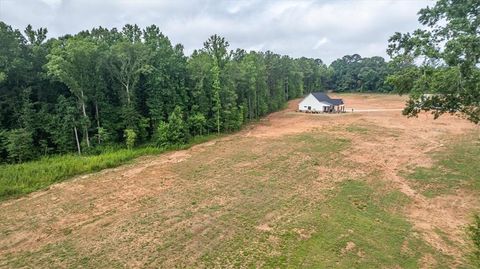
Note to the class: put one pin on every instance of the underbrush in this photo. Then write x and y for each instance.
(24, 178)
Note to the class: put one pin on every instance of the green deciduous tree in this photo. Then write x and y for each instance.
(216, 102)
(74, 63)
(63, 126)
(448, 79)
(354, 73)
(133, 86)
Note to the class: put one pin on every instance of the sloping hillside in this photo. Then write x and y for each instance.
(294, 190)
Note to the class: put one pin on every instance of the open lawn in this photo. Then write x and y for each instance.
(366, 189)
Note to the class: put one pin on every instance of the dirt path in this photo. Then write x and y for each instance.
(93, 211)
(378, 110)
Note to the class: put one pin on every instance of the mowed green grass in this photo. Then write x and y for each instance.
(248, 203)
(24, 178)
(455, 167)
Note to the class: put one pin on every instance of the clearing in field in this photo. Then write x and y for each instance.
(365, 189)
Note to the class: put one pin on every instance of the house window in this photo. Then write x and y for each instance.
(309, 108)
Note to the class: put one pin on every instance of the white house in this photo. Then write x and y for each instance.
(317, 102)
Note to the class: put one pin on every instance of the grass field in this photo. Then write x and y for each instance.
(361, 190)
(455, 168)
(24, 178)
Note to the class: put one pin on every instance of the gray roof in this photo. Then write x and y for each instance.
(323, 97)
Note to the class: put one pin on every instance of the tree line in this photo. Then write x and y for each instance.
(79, 93)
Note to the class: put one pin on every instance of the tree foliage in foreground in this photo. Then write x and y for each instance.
(448, 50)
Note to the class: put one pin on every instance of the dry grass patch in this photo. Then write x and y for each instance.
(294, 190)
(455, 167)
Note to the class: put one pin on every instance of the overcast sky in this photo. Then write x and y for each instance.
(325, 29)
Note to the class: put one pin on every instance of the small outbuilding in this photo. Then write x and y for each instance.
(320, 102)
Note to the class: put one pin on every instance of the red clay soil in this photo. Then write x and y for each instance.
(83, 206)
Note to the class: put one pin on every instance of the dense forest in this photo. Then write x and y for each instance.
(80, 93)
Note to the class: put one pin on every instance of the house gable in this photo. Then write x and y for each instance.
(313, 103)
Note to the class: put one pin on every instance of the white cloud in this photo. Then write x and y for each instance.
(234, 7)
(297, 28)
(320, 43)
(52, 3)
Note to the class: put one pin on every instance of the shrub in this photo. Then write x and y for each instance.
(196, 123)
(177, 131)
(174, 132)
(161, 135)
(19, 145)
(130, 138)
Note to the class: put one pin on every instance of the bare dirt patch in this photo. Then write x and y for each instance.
(176, 209)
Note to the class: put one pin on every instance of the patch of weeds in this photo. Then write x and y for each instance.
(255, 173)
(147, 201)
(319, 143)
(474, 234)
(371, 130)
(359, 129)
(395, 200)
(458, 166)
(67, 231)
(55, 255)
(435, 181)
(353, 230)
(444, 236)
